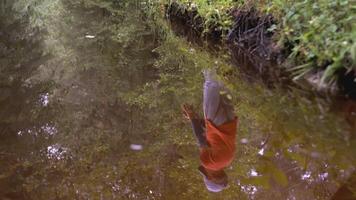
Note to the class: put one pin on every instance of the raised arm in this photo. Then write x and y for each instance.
(198, 125)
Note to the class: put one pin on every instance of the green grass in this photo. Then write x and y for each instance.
(322, 34)
(215, 13)
(319, 34)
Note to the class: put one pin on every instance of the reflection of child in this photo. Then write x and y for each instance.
(216, 133)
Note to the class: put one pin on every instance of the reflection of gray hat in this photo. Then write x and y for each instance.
(210, 185)
(213, 187)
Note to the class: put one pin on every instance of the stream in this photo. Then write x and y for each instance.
(90, 95)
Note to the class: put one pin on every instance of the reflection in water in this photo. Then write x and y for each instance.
(251, 190)
(347, 190)
(253, 172)
(46, 130)
(91, 82)
(44, 99)
(56, 152)
(244, 141)
(216, 134)
(306, 175)
(261, 152)
(136, 147)
(323, 176)
(49, 129)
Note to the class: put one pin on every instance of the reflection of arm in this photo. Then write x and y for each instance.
(198, 126)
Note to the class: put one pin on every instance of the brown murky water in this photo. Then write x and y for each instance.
(89, 109)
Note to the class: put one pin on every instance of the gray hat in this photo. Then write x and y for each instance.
(210, 185)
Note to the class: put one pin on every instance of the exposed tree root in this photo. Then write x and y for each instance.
(251, 32)
(251, 45)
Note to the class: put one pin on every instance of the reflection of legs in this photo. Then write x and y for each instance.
(217, 107)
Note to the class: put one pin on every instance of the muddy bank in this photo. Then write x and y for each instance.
(253, 49)
(188, 24)
(269, 69)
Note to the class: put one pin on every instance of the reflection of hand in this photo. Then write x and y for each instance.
(188, 111)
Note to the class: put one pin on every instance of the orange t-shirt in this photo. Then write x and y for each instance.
(222, 145)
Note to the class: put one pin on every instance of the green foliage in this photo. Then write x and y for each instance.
(215, 13)
(285, 121)
(321, 33)
(126, 86)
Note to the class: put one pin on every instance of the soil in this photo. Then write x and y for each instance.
(251, 55)
(252, 48)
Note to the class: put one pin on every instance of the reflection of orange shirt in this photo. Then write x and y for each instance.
(222, 145)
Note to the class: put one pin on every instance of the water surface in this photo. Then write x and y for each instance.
(90, 109)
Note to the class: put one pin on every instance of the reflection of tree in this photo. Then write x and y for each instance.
(126, 94)
(15, 68)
